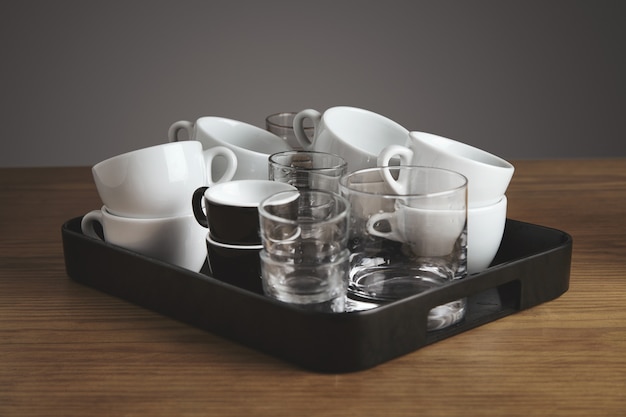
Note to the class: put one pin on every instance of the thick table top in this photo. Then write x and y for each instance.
(66, 349)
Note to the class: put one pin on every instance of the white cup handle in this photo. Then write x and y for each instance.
(405, 154)
(389, 217)
(231, 164)
(172, 132)
(298, 127)
(88, 222)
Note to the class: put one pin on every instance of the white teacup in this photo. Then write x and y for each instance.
(357, 135)
(158, 181)
(177, 240)
(251, 144)
(427, 231)
(488, 175)
(485, 228)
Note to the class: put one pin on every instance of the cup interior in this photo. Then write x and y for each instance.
(244, 193)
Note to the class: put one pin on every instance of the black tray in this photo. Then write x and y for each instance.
(532, 266)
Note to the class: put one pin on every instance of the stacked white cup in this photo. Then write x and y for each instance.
(252, 145)
(147, 200)
(488, 178)
(357, 135)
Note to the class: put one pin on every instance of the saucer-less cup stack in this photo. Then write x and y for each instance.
(251, 144)
(488, 178)
(146, 196)
(230, 213)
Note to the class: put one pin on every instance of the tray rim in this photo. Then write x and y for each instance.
(417, 305)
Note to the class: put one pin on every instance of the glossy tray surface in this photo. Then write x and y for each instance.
(532, 267)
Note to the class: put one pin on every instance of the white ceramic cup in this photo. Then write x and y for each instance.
(251, 144)
(357, 135)
(427, 231)
(178, 240)
(432, 232)
(485, 228)
(488, 175)
(158, 181)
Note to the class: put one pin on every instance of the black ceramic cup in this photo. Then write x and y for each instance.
(237, 265)
(230, 209)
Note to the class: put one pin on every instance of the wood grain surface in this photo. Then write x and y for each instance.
(68, 350)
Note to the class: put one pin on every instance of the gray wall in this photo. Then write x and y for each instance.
(86, 80)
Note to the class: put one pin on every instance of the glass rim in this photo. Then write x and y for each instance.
(334, 219)
(341, 163)
(271, 120)
(390, 195)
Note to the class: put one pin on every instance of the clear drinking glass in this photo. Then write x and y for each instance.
(307, 169)
(305, 258)
(281, 124)
(403, 244)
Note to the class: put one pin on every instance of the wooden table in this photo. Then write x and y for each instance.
(69, 350)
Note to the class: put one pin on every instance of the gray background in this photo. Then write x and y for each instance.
(86, 80)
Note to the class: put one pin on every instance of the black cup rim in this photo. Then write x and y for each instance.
(232, 246)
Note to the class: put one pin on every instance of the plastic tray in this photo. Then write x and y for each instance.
(532, 266)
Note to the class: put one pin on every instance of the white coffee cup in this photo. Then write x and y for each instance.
(158, 181)
(427, 231)
(177, 240)
(251, 144)
(432, 232)
(488, 175)
(357, 135)
(485, 228)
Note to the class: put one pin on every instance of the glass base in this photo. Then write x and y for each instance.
(375, 286)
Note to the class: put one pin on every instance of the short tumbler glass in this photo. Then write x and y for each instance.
(404, 244)
(281, 124)
(307, 169)
(305, 260)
